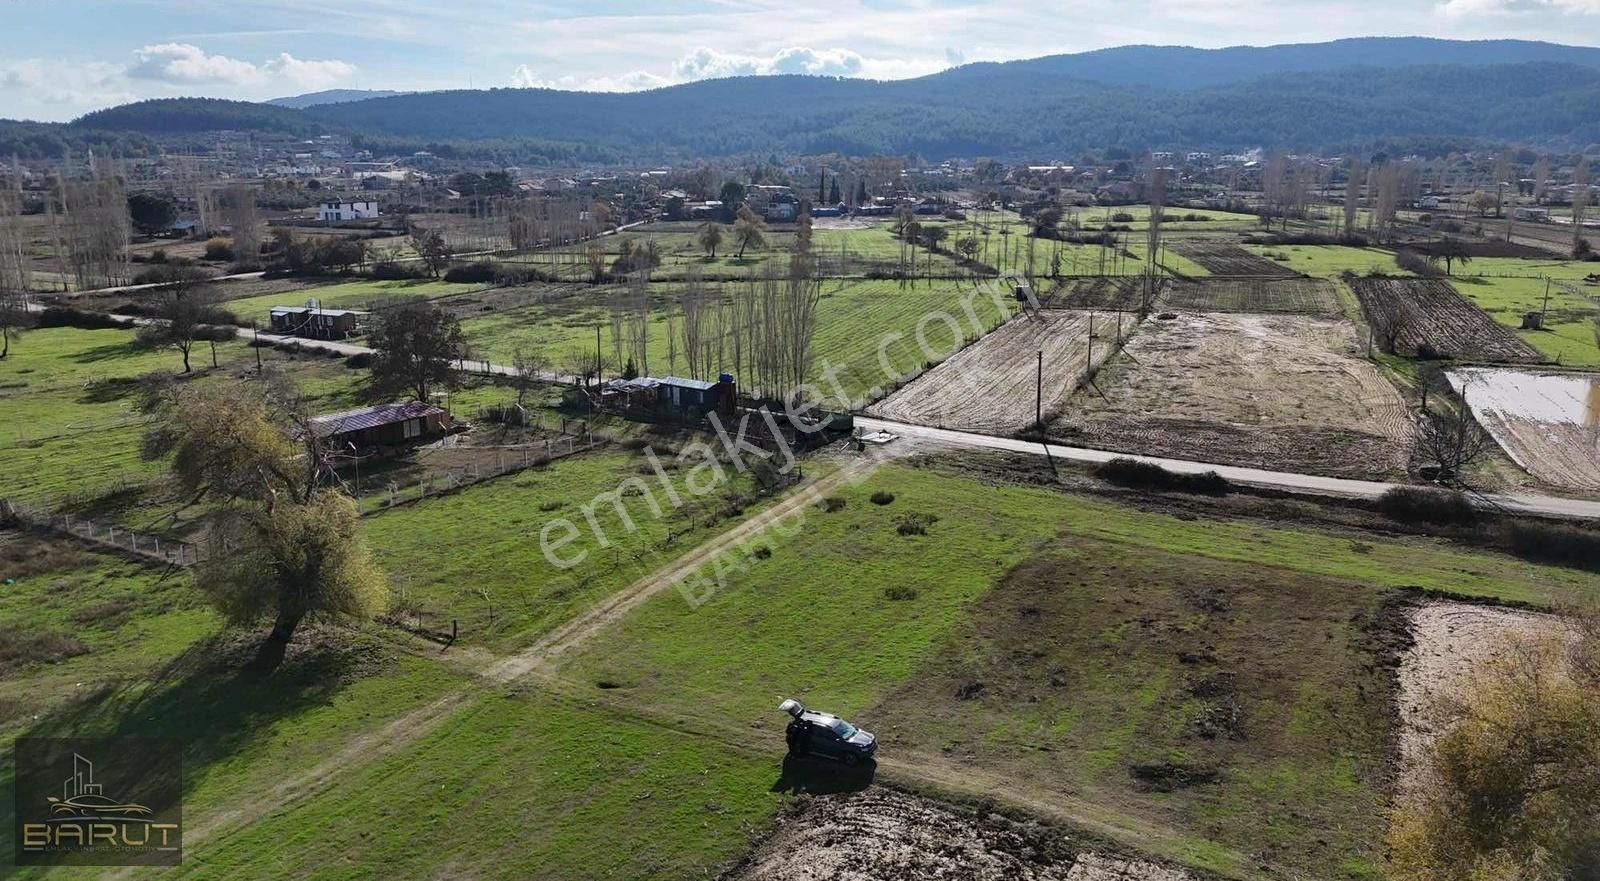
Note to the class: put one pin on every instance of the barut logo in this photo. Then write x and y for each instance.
(98, 802)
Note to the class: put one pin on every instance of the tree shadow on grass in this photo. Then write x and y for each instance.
(206, 699)
(110, 351)
(112, 389)
(820, 776)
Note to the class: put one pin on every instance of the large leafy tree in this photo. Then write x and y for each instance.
(710, 237)
(151, 213)
(415, 347)
(282, 546)
(749, 231)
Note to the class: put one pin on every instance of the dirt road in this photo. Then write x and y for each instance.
(1305, 484)
(542, 656)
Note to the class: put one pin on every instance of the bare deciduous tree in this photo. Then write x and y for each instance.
(1451, 437)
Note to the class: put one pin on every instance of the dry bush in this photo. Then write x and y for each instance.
(27, 649)
(1417, 504)
(1511, 792)
(1145, 475)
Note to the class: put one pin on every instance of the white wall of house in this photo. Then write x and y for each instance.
(339, 211)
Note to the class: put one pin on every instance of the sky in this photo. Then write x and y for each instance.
(64, 58)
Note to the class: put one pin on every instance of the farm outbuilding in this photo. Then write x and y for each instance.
(314, 323)
(672, 396)
(383, 425)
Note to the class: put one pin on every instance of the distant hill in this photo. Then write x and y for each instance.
(1183, 67)
(1013, 111)
(332, 96)
(1404, 93)
(167, 116)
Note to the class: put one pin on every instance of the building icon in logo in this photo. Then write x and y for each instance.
(82, 797)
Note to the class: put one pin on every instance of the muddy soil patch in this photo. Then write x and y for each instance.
(884, 835)
(1286, 392)
(1548, 423)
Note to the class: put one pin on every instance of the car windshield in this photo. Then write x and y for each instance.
(842, 728)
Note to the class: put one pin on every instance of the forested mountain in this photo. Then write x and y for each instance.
(161, 116)
(332, 96)
(1012, 111)
(1349, 93)
(1183, 67)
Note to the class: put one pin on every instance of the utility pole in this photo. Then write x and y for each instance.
(1546, 309)
(1038, 393)
(256, 344)
(597, 377)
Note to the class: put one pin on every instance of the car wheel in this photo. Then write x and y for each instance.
(850, 760)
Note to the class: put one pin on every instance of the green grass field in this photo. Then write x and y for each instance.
(853, 616)
(1507, 288)
(475, 556)
(72, 427)
(853, 319)
(520, 785)
(346, 295)
(1331, 261)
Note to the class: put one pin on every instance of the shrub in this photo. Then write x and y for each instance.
(831, 504)
(389, 270)
(67, 316)
(762, 552)
(219, 250)
(882, 498)
(1553, 543)
(1122, 217)
(21, 650)
(1411, 261)
(359, 361)
(1419, 504)
(1146, 475)
(915, 524)
(482, 272)
(899, 593)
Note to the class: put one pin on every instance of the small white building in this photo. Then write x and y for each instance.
(338, 211)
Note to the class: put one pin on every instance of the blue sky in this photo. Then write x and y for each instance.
(66, 57)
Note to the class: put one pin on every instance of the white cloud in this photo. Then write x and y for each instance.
(1469, 8)
(43, 83)
(185, 64)
(309, 74)
(705, 63)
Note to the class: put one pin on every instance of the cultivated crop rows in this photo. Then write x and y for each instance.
(1409, 315)
(991, 385)
(1311, 296)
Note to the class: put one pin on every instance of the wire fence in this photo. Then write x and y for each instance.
(506, 461)
(149, 547)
